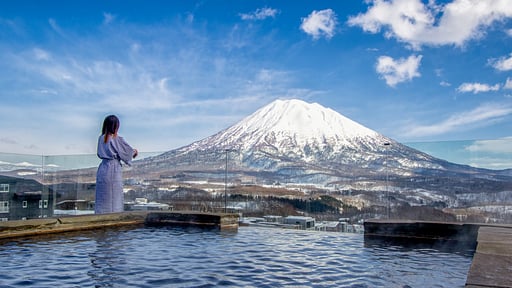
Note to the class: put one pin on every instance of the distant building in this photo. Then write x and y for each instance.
(80, 204)
(302, 221)
(22, 199)
(273, 219)
(142, 204)
(331, 226)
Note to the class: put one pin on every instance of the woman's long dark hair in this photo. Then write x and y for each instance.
(110, 126)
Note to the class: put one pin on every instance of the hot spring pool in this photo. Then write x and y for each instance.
(251, 257)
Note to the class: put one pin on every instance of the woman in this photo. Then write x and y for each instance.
(112, 149)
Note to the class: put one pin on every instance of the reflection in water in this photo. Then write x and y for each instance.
(106, 256)
(466, 248)
(253, 257)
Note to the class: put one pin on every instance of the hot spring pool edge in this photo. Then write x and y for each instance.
(35, 227)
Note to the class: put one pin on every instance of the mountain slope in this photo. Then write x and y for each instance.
(294, 137)
(291, 141)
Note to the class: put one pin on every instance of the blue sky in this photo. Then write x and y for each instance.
(178, 71)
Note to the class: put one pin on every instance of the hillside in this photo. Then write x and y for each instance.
(293, 142)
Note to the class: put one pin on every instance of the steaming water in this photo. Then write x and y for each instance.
(251, 257)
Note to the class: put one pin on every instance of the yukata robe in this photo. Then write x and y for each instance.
(109, 177)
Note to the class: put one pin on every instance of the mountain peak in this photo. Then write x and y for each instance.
(310, 120)
(290, 123)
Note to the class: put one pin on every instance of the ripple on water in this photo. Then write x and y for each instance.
(252, 257)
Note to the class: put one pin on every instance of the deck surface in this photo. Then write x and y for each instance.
(492, 262)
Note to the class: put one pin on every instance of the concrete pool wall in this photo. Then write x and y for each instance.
(34, 227)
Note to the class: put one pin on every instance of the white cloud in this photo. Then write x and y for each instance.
(502, 145)
(493, 154)
(477, 88)
(445, 84)
(509, 32)
(41, 54)
(418, 23)
(108, 18)
(502, 64)
(55, 26)
(397, 71)
(508, 84)
(88, 77)
(480, 116)
(320, 23)
(259, 14)
(498, 162)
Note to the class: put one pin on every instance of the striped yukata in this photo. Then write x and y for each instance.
(109, 177)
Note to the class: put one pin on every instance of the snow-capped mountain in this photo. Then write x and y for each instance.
(292, 138)
(292, 125)
(291, 141)
(290, 130)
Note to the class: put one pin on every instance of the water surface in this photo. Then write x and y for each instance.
(251, 257)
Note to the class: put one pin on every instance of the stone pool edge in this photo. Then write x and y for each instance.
(35, 227)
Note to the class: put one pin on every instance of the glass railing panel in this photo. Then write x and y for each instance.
(35, 186)
(71, 183)
(21, 189)
(71, 179)
(491, 154)
(468, 194)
